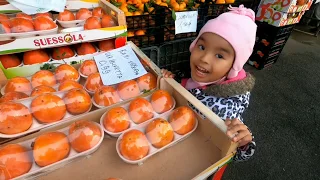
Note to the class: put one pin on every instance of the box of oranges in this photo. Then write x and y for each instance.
(48, 98)
(110, 20)
(157, 130)
(159, 146)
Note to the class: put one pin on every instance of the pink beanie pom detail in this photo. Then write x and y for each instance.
(237, 27)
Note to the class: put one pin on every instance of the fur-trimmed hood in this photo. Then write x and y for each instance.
(231, 89)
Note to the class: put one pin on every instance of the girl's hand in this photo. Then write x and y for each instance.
(167, 74)
(238, 132)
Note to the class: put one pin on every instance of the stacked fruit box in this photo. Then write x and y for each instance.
(270, 41)
(29, 43)
(147, 129)
(282, 13)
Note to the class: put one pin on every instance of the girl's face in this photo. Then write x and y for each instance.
(211, 58)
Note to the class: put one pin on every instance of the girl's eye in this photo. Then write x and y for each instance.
(201, 47)
(219, 56)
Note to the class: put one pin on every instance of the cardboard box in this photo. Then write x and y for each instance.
(287, 6)
(62, 39)
(9, 45)
(198, 156)
(277, 18)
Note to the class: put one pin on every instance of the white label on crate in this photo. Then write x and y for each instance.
(119, 65)
(186, 22)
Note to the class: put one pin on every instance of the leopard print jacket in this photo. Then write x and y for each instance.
(229, 101)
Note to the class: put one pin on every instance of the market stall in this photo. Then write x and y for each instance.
(76, 94)
(81, 87)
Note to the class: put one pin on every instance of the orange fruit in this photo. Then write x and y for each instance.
(98, 12)
(106, 45)
(15, 161)
(42, 89)
(147, 82)
(130, 33)
(88, 67)
(48, 108)
(5, 25)
(84, 135)
(161, 101)
(93, 82)
(69, 84)
(50, 147)
(9, 61)
(43, 77)
(23, 15)
(140, 33)
(78, 101)
(134, 145)
(66, 15)
(85, 48)
(15, 118)
(63, 52)
(107, 21)
(140, 110)
(159, 133)
(182, 120)
(12, 96)
(92, 23)
(47, 15)
(20, 84)
(35, 57)
(3, 17)
(116, 120)
(83, 14)
(106, 96)
(128, 89)
(20, 25)
(43, 23)
(66, 72)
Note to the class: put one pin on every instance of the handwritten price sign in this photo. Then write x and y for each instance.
(119, 65)
(186, 22)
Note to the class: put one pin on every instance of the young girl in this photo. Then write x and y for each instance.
(218, 80)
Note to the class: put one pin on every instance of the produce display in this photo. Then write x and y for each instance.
(44, 81)
(95, 18)
(108, 95)
(32, 114)
(81, 138)
(56, 94)
(140, 142)
(23, 23)
(137, 111)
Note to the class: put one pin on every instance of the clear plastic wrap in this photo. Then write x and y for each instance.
(88, 67)
(28, 158)
(140, 142)
(23, 25)
(29, 115)
(138, 111)
(65, 77)
(88, 18)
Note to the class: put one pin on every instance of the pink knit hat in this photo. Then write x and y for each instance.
(237, 27)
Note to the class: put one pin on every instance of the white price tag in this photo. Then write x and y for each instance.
(119, 65)
(186, 22)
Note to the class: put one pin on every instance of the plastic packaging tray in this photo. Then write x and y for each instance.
(35, 169)
(132, 124)
(10, 36)
(35, 124)
(73, 23)
(152, 150)
(29, 92)
(121, 100)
